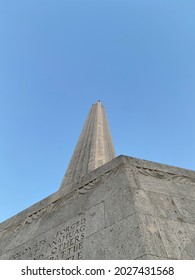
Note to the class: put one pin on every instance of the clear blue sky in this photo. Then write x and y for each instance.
(58, 57)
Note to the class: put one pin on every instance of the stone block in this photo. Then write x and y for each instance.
(125, 209)
(121, 240)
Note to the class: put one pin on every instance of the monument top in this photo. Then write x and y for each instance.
(94, 147)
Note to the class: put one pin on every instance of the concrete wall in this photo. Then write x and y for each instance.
(125, 209)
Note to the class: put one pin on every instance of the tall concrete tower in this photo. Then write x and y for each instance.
(107, 207)
(94, 147)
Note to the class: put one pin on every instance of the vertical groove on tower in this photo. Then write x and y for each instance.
(94, 147)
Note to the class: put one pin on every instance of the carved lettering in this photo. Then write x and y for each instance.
(65, 243)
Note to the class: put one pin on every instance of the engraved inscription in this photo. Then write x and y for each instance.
(68, 242)
(64, 242)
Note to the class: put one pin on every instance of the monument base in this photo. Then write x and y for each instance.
(126, 209)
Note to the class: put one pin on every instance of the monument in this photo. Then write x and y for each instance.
(107, 207)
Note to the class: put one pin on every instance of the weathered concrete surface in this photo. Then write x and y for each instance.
(126, 209)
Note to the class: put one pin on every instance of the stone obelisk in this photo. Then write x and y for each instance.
(107, 207)
(94, 147)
